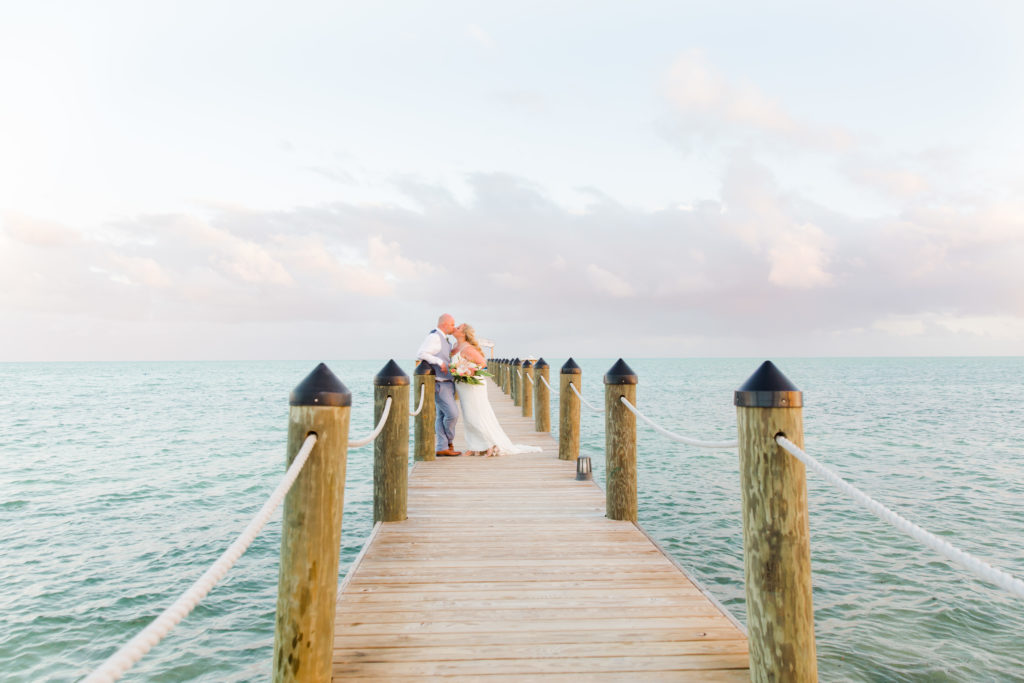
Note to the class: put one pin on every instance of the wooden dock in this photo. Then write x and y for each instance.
(507, 569)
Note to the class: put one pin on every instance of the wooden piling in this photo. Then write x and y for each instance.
(424, 439)
(569, 411)
(391, 447)
(311, 530)
(517, 382)
(526, 389)
(776, 538)
(620, 443)
(541, 397)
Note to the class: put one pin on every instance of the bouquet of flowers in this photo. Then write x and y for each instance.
(464, 370)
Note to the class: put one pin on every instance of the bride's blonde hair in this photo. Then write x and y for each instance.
(471, 336)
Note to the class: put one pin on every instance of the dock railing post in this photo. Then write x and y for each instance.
(541, 397)
(526, 389)
(569, 411)
(517, 382)
(620, 443)
(776, 539)
(311, 530)
(424, 440)
(391, 447)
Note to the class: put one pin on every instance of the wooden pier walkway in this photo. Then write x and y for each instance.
(507, 569)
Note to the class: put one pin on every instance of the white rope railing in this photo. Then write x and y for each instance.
(583, 400)
(135, 649)
(530, 377)
(544, 381)
(423, 392)
(981, 568)
(677, 437)
(376, 430)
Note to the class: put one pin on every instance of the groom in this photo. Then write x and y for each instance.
(436, 350)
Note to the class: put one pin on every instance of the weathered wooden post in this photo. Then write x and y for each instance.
(620, 442)
(541, 397)
(424, 447)
(311, 530)
(526, 389)
(504, 377)
(391, 447)
(776, 538)
(569, 411)
(517, 382)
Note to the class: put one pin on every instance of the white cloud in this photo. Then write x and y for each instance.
(141, 270)
(508, 280)
(364, 280)
(708, 101)
(235, 257)
(901, 325)
(798, 259)
(387, 256)
(254, 264)
(40, 233)
(721, 268)
(609, 283)
(900, 183)
(480, 37)
(997, 327)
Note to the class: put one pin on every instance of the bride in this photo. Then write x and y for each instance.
(483, 431)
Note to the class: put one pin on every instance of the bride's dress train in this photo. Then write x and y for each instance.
(482, 427)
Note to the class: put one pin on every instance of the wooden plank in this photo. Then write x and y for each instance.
(535, 666)
(717, 676)
(538, 650)
(356, 625)
(596, 639)
(507, 568)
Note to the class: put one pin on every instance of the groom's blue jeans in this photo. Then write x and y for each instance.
(447, 414)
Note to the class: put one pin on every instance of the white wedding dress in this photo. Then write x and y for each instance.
(482, 427)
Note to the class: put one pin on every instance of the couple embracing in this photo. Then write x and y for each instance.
(465, 363)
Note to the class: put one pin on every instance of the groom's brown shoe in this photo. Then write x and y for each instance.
(448, 452)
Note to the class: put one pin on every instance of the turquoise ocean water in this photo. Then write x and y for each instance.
(120, 483)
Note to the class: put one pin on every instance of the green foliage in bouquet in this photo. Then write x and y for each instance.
(476, 378)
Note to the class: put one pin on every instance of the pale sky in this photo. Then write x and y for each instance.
(304, 180)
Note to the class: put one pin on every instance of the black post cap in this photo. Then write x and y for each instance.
(570, 368)
(768, 388)
(517, 362)
(541, 363)
(527, 364)
(424, 368)
(620, 373)
(320, 388)
(390, 376)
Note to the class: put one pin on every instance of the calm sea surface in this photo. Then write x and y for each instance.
(120, 483)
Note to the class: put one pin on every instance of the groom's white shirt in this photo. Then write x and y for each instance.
(430, 347)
